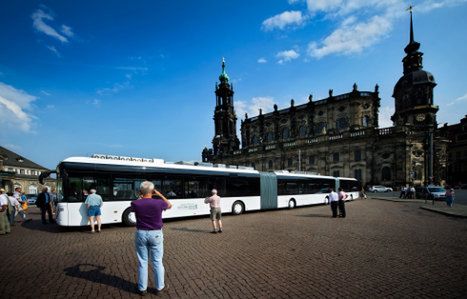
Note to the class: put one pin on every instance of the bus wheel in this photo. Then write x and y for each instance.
(238, 208)
(129, 217)
(292, 204)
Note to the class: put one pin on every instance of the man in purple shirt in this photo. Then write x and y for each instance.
(149, 237)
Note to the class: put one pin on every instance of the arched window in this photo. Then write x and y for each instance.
(285, 133)
(254, 140)
(302, 131)
(269, 136)
(342, 123)
(320, 128)
(366, 121)
(270, 164)
(386, 173)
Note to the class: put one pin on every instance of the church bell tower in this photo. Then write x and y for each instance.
(225, 139)
(413, 92)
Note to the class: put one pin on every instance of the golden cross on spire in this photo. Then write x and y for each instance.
(410, 8)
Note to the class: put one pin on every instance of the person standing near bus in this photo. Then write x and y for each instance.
(43, 202)
(342, 197)
(333, 201)
(93, 204)
(216, 214)
(149, 239)
(4, 223)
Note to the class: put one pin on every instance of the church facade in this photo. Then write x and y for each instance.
(340, 135)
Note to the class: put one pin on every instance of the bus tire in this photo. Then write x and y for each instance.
(128, 217)
(238, 208)
(292, 203)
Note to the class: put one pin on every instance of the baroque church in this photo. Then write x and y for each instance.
(339, 135)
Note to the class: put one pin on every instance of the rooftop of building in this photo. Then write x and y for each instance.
(13, 159)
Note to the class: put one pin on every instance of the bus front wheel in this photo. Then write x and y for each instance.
(292, 204)
(129, 217)
(238, 208)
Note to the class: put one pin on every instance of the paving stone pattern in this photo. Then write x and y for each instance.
(382, 249)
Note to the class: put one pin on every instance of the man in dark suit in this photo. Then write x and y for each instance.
(44, 202)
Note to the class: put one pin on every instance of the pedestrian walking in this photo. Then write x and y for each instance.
(333, 201)
(43, 202)
(4, 203)
(412, 192)
(214, 202)
(13, 208)
(450, 196)
(93, 204)
(403, 192)
(341, 203)
(23, 207)
(149, 238)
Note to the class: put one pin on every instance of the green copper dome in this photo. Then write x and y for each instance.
(223, 77)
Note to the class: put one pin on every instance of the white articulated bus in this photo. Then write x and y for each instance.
(117, 180)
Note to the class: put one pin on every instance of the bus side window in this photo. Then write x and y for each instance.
(172, 188)
(74, 190)
(123, 189)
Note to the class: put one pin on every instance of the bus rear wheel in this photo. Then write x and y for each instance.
(292, 204)
(129, 217)
(238, 208)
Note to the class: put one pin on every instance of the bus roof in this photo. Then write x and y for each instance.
(302, 175)
(350, 179)
(155, 163)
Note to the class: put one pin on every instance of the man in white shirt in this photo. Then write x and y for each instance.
(214, 202)
(333, 201)
(4, 223)
(13, 208)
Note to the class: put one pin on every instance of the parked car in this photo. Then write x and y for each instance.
(431, 192)
(31, 198)
(380, 188)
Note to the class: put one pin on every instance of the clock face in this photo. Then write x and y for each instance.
(420, 117)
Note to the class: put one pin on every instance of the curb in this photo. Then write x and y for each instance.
(399, 200)
(443, 212)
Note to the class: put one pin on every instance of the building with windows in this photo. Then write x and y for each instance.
(340, 135)
(456, 134)
(18, 171)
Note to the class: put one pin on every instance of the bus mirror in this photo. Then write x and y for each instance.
(45, 175)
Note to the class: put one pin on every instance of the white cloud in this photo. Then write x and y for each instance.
(385, 114)
(38, 22)
(352, 37)
(14, 107)
(45, 93)
(67, 30)
(262, 60)
(362, 23)
(287, 55)
(252, 107)
(54, 50)
(116, 88)
(283, 20)
(94, 102)
(458, 100)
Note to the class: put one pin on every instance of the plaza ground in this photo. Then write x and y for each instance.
(382, 249)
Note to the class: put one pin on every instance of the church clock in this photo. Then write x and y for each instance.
(420, 117)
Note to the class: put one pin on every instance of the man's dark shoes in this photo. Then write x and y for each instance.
(214, 232)
(142, 293)
(220, 231)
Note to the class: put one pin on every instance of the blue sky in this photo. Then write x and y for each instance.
(137, 78)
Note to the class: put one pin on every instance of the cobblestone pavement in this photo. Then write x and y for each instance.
(382, 249)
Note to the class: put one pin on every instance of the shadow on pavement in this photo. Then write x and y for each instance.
(94, 273)
(187, 229)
